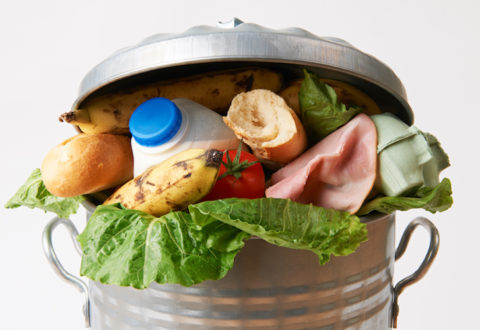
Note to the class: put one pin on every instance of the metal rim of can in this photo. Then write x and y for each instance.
(200, 48)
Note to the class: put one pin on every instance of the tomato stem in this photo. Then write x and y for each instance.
(235, 167)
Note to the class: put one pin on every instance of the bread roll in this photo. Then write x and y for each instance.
(85, 164)
(290, 95)
(267, 125)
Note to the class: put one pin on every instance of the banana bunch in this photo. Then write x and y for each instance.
(110, 113)
(175, 183)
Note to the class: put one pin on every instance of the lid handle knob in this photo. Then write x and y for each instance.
(234, 22)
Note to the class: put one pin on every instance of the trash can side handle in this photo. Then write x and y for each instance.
(425, 265)
(57, 266)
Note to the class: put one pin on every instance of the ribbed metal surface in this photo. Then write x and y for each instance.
(202, 49)
(268, 288)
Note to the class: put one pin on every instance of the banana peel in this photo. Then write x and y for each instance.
(175, 183)
(110, 113)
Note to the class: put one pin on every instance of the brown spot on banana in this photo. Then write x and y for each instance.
(183, 163)
(118, 114)
(138, 181)
(140, 196)
(170, 184)
(246, 83)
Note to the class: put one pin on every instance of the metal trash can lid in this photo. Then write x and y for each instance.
(234, 43)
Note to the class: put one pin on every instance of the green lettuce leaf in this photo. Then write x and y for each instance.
(432, 199)
(288, 224)
(320, 109)
(131, 248)
(33, 194)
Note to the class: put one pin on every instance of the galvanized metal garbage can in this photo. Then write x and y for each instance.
(269, 287)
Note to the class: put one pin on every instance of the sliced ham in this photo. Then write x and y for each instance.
(338, 172)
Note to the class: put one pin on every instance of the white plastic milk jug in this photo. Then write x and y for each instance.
(161, 128)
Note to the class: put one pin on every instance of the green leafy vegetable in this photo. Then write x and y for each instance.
(320, 109)
(288, 224)
(33, 194)
(131, 248)
(432, 199)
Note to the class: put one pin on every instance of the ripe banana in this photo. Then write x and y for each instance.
(110, 113)
(173, 184)
(346, 94)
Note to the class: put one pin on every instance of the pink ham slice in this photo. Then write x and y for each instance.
(338, 172)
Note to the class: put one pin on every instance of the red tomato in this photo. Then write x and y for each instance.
(240, 177)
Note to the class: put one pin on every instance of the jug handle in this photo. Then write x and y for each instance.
(49, 252)
(425, 265)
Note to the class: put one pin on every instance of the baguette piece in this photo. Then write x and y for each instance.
(267, 125)
(87, 163)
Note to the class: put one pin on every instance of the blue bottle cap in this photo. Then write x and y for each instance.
(155, 122)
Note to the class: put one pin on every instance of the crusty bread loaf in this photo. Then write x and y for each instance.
(267, 125)
(85, 164)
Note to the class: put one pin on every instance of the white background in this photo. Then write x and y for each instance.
(48, 46)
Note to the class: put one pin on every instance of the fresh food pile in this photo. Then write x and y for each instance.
(305, 159)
